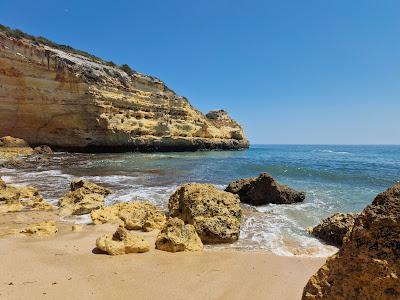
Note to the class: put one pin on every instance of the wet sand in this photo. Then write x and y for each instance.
(67, 266)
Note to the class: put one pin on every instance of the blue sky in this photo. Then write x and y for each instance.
(314, 71)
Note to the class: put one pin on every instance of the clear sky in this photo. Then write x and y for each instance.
(311, 71)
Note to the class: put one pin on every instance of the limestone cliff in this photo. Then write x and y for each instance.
(67, 100)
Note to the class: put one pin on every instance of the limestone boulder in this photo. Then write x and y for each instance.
(84, 197)
(131, 215)
(215, 214)
(176, 237)
(122, 242)
(42, 150)
(41, 229)
(368, 264)
(11, 147)
(333, 229)
(264, 189)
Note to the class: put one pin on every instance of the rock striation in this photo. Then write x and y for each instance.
(264, 189)
(333, 229)
(131, 215)
(54, 95)
(368, 264)
(84, 197)
(122, 242)
(215, 214)
(177, 236)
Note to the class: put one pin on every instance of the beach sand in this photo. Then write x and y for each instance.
(67, 266)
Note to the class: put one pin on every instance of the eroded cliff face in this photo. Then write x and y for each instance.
(49, 96)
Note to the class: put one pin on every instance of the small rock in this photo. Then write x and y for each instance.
(332, 230)
(77, 227)
(122, 242)
(264, 189)
(41, 229)
(132, 215)
(42, 149)
(84, 197)
(176, 237)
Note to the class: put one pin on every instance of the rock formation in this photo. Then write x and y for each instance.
(131, 215)
(62, 97)
(11, 148)
(368, 264)
(122, 242)
(41, 229)
(264, 189)
(333, 229)
(176, 237)
(215, 214)
(14, 198)
(84, 197)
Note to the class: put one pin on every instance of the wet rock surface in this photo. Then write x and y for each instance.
(215, 214)
(333, 229)
(368, 264)
(264, 189)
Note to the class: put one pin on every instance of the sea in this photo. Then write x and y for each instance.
(335, 178)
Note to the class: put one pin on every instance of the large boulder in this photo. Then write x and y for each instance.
(368, 264)
(121, 242)
(333, 229)
(42, 150)
(215, 214)
(11, 147)
(132, 215)
(264, 189)
(176, 237)
(84, 197)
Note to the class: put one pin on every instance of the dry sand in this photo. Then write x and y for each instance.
(66, 266)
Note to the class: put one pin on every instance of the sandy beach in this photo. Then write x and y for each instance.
(67, 266)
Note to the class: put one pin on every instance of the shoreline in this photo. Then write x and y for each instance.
(67, 266)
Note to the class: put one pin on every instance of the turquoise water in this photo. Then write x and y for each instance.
(335, 179)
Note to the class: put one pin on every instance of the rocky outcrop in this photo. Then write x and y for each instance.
(15, 198)
(42, 150)
(53, 95)
(11, 147)
(41, 229)
(215, 214)
(368, 264)
(264, 189)
(176, 237)
(122, 242)
(333, 229)
(84, 197)
(131, 215)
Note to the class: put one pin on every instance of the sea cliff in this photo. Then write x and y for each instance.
(63, 98)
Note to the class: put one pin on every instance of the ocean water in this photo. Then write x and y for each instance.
(335, 179)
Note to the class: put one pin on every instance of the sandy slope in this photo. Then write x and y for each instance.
(67, 267)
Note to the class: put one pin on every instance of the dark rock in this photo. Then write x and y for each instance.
(43, 149)
(333, 229)
(264, 189)
(16, 164)
(368, 264)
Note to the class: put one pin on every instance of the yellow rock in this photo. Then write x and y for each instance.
(41, 229)
(132, 215)
(77, 227)
(122, 242)
(176, 237)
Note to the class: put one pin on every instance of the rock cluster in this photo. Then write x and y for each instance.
(264, 189)
(13, 198)
(81, 103)
(333, 229)
(215, 214)
(131, 215)
(41, 229)
(121, 242)
(84, 197)
(368, 264)
(176, 237)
